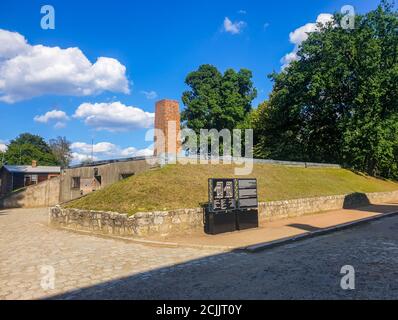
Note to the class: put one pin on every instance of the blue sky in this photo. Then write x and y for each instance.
(149, 46)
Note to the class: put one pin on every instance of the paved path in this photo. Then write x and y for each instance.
(284, 228)
(305, 270)
(111, 269)
(29, 249)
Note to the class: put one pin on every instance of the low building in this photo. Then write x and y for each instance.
(17, 177)
(80, 180)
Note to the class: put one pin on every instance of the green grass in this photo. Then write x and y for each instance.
(185, 186)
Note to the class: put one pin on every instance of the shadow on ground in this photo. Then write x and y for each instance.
(164, 283)
(357, 201)
(303, 270)
(305, 227)
(17, 196)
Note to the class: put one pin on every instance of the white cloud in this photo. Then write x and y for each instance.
(82, 151)
(150, 95)
(298, 36)
(59, 125)
(233, 27)
(289, 58)
(3, 146)
(12, 44)
(60, 118)
(242, 11)
(106, 148)
(78, 157)
(52, 115)
(133, 152)
(114, 116)
(28, 71)
(147, 152)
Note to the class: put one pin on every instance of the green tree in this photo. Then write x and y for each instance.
(2, 158)
(215, 100)
(27, 147)
(252, 122)
(60, 147)
(339, 101)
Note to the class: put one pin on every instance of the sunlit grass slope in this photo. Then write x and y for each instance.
(185, 186)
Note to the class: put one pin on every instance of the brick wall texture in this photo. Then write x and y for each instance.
(167, 119)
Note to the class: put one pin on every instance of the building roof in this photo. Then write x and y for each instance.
(30, 169)
(104, 162)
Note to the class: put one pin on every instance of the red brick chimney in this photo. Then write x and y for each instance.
(167, 119)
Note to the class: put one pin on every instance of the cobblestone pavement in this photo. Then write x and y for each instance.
(308, 269)
(110, 269)
(29, 249)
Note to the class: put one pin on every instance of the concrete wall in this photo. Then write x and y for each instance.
(43, 194)
(110, 173)
(184, 221)
(237, 160)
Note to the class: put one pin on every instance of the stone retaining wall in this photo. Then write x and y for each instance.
(184, 221)
(269, 211)
(140, 224)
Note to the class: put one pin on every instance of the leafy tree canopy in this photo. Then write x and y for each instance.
(215, 100)
(339, 101)
(27, 147)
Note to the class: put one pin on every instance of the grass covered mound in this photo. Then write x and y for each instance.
(185, 186)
